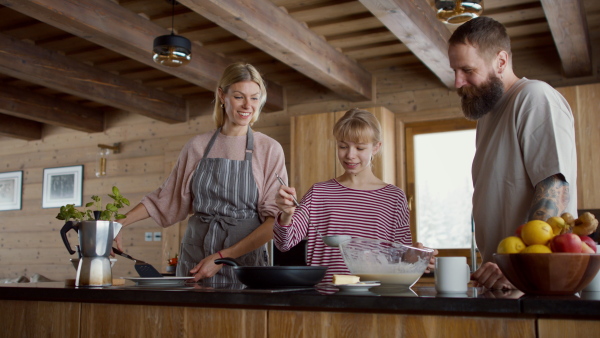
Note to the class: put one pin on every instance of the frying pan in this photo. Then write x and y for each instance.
(272, 277)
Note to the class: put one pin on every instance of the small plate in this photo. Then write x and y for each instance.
(358, 287)
(153, 281)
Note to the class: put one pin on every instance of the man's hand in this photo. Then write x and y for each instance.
(490, 277)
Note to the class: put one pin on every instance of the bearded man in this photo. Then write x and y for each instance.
(525, 164)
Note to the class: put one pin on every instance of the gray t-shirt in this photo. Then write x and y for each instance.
(527, 137)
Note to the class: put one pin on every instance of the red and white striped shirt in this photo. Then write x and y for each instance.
(338, 210)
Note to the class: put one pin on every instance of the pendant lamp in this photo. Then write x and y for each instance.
(458, 11)
(172, 50)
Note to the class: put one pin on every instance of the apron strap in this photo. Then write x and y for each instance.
(249, 144)
(210, 144)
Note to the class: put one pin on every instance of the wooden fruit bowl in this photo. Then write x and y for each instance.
(549, 273)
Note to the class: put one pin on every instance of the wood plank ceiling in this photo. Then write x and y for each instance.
(68, 62)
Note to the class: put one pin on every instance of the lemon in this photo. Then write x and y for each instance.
(536, 232)
(511, 244)
(557, 224)
(537, 248)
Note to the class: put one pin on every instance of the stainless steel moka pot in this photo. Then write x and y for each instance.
(95, 241)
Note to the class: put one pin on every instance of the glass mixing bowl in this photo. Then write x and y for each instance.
(392, 264)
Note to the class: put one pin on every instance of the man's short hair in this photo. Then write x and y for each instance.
(486, 34)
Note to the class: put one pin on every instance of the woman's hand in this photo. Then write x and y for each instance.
(206, 268)
(431, 264)
(285, 203)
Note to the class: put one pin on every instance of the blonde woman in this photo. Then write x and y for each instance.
(226, 179)
(357, 203)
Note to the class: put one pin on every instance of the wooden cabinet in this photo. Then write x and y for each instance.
(338, 324)
(313, 149)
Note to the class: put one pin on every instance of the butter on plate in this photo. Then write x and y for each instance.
(345, 279)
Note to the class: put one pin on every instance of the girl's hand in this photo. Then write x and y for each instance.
(206, 268)
(431, 264)
(285, 203)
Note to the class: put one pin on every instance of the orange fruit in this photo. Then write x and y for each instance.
(509, 245)
(536, 248)
(536, 232)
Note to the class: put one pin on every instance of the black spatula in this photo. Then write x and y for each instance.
(143, 269)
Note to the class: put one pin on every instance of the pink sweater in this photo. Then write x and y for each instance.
(337, 210)
(173, 201)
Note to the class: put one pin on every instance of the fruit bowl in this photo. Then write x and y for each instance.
(392, 264)
(549, 273)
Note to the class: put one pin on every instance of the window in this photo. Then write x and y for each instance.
(443, 187)
(439, 155)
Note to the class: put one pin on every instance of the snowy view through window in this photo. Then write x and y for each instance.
(444, 188)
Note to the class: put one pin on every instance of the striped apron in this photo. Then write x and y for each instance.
(225, 212)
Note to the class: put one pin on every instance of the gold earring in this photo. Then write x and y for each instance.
(222, 105)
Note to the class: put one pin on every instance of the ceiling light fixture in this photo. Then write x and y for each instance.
(457, 11)
(172, 50)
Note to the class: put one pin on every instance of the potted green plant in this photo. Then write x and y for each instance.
(109, 213)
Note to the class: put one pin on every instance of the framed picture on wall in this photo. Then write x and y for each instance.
(11, 186)
(62, 186)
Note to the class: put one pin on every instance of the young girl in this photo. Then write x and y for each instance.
(357, 203)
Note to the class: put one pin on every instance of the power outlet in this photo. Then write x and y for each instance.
(148, 236)
(157, 236)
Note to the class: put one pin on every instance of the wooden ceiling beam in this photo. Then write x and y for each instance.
(271, 29)
(26, 104)
(415, 24)
(53, 70)
(112, 26)
(16, 127)
(568, 24)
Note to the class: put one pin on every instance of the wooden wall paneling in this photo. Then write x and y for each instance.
(339, 170)
(589, 134)
(384, 165)
(333, 324)
(570, 94)
(39, 319)
(559, 328)
(170, 235)
(313, 151)
(400, 143)
(170, 321)
(585, 104)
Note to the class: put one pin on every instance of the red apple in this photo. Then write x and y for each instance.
(589, 241)
(566, 243)
(518, 231)
(586, 248)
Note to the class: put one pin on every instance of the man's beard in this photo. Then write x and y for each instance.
(478, 101)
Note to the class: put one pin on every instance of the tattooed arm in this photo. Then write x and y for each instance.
(550, 199)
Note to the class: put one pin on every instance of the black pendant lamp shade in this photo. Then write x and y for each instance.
(172, 50)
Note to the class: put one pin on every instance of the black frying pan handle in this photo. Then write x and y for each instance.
(227, 261)
(63, 234)
(121, 253)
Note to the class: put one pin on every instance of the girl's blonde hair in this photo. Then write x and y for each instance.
(234, 73)
(358, 126)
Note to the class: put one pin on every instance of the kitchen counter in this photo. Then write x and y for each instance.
(53, 309)
(420, 299)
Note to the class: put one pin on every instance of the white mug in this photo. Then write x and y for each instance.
(452, 274)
